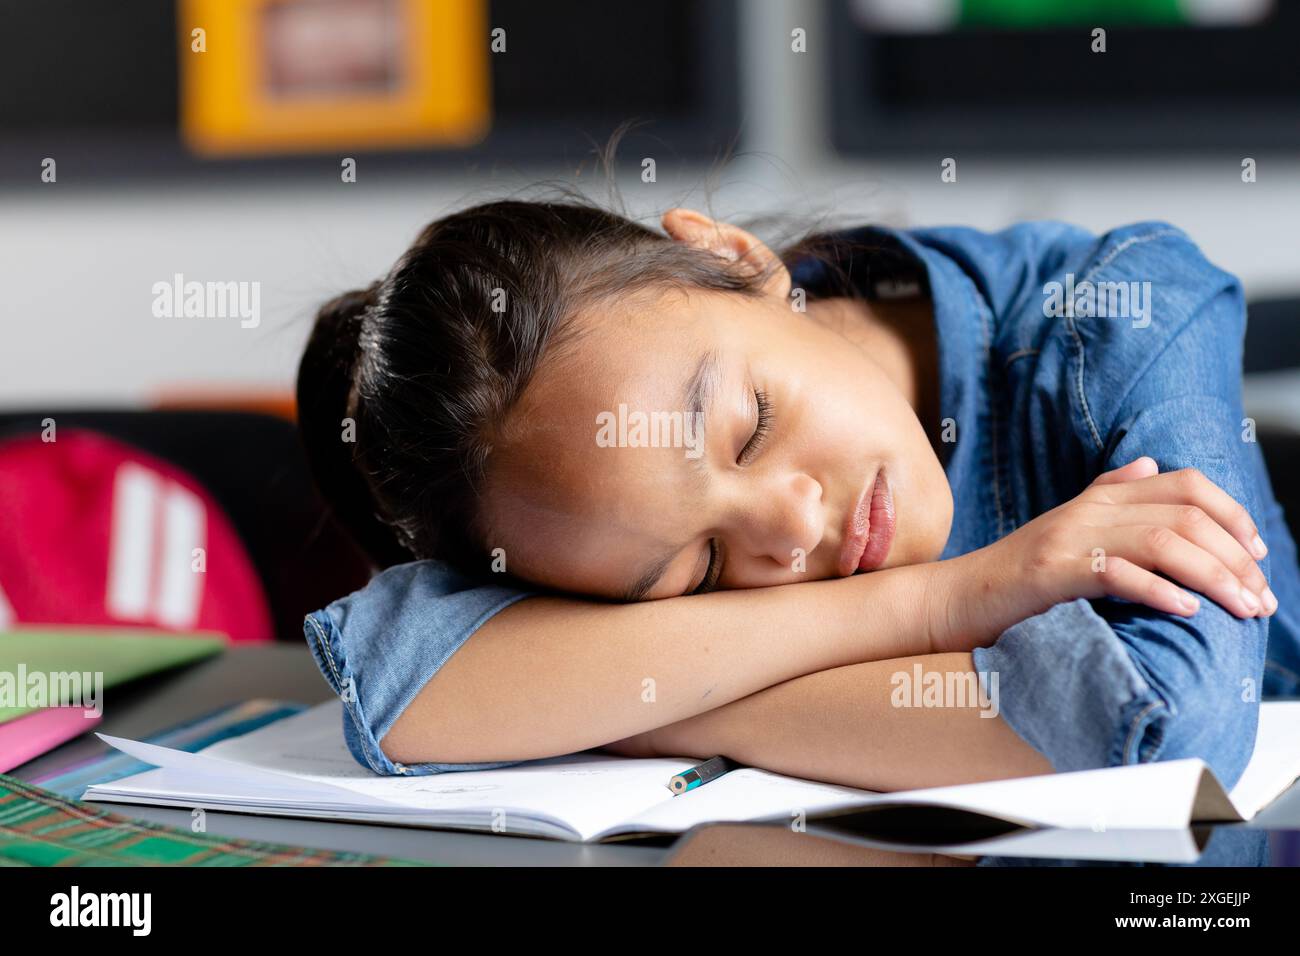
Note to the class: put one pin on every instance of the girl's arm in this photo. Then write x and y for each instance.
(553, 675)
(550, 676)
(842, 726)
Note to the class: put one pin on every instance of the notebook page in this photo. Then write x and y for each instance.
(586, 792)
(623, 795)
(1275, 764)
(1147, 796)
(206, 771)
(184, 786)
(745, 794)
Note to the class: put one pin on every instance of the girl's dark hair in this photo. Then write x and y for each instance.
(405, 385)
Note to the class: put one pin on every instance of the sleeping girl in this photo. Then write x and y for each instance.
(910, 460)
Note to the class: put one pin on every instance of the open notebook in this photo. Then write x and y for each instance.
(300, 766)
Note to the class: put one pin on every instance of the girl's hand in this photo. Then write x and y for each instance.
(1111, 541)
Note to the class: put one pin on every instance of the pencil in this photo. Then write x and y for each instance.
(698, 776)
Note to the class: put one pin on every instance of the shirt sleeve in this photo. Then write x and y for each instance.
(380, 645)
(1108, 682)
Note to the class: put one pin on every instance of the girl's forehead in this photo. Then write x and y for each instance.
(641, 354)
(576, 515)
(599, 438)
(642, 362)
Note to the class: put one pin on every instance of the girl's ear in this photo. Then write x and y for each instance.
(729, 242)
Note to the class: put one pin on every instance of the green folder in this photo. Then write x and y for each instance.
(118, 654)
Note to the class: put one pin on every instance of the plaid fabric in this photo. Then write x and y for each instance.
(40, 828)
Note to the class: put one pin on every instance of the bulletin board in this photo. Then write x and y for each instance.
(263, 76)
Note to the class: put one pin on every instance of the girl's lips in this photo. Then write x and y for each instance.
(857, 529)
(881, 526)
(868, 528)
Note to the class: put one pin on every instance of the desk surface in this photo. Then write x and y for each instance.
(287, 672)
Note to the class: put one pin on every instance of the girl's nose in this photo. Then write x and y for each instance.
(790, 518)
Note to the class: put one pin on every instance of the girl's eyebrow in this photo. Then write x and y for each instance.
(700, 391)
(701, 388)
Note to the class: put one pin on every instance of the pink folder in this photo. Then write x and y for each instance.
(42, 730)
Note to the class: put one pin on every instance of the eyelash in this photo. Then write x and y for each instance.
(713, 571)
(761, 430)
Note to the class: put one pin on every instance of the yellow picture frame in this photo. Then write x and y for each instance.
(440, 94)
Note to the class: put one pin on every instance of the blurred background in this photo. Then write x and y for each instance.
(225, 165)
(299, 145)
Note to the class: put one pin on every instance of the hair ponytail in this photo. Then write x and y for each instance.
(326, 401)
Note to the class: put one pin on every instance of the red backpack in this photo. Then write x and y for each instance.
(93, 531)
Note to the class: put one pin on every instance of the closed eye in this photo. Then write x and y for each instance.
(713, 571)
(762, 429)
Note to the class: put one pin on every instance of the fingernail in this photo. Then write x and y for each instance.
(1270, 600)
(1251, 602)
(1187, 601)
(1257, 547)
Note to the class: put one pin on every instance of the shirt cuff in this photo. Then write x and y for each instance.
(1069, 688)
(327, 648)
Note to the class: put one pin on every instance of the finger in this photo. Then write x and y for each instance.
(1200, 529)
(1196, 525)
(1188, 486)
(1143, 467)
(1158, 548)
(1123, 579)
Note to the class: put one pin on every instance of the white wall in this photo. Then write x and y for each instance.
(77, 271)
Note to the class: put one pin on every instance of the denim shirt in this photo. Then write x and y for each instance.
(1043, 386)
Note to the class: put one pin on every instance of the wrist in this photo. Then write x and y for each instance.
(992, 590)
(942, 589)
(963, 602)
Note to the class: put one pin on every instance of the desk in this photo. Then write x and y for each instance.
(287, 672)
